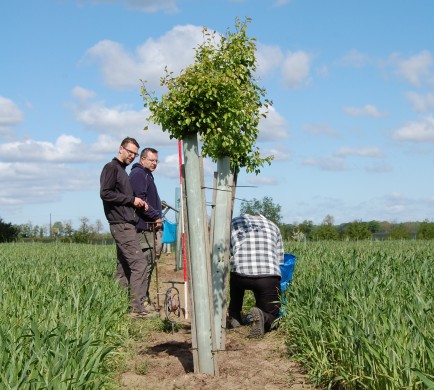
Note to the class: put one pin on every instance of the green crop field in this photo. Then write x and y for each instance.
(61, 316)
(357, 315)
(360, 314)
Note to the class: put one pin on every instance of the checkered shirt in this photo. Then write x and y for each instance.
(256, 246)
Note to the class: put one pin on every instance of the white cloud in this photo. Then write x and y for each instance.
(140, 5)
(51, 170)
(67, 148)
(322, 71)
(105, 144)
(260, 180)
(10, 114)
(368, 110)
(354, 58)
(294, 66)
(268, 58)
(82, 94)
(152, 5)
(396, 203)
(280, 153)
(421, 103)
(320, 129)
(280, 3)
(394, 196)
(122, 69)
(273, 127)
(120, 122)
(379, 168)
(111, 119)
(169, 167)
(295, 69)
(415, 69)
(47, 181)
(421, 131)
(326, 163)
(360, 152)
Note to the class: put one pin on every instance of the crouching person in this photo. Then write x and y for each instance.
(256, 254)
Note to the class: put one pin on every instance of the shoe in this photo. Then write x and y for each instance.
(140, 314)
(145, 313)
(149, 306)
(232, 323)
(257, 317)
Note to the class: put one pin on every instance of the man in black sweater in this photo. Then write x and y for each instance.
(120, 206)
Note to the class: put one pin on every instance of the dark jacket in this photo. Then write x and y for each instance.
(143, 185)
(116, 193)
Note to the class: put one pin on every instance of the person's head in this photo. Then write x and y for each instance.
(128, 150)
(149, 158)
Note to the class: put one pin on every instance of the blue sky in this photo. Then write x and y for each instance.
(352, 85)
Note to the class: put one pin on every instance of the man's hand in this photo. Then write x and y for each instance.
(158, 224)
(140, 204)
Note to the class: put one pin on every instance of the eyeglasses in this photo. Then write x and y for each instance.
(130, 151)
(153, 161)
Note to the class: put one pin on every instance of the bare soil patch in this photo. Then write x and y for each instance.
(164, 360)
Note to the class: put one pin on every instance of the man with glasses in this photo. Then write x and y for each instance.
(120, 207)
(150, 220)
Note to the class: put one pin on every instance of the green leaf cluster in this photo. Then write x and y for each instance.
(217, 98)
(265, 207)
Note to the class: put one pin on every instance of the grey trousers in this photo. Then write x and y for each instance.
(131, 266)
(146, 240)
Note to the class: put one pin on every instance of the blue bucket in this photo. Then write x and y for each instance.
(287, 269)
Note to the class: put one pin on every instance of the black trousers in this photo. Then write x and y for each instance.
(266, 290)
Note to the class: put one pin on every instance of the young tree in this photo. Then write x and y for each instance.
(286, 230)
(85, 226)
(57, 229)
(306, 227)
(217, 99)
(325, 232)
(98, 226)
(328, 220)
(426, 230)
(25, 230)
(68, 228)
(8, 232)
(400, 232)
(266, 207)
(357, 230)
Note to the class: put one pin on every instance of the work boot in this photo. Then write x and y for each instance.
(232, 323)
(257, 322)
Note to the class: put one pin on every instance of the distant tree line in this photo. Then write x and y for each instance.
(327, 230)
(304, 231)
(58, 231)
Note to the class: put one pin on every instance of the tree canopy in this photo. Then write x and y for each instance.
(265, 207)
(217, 98)
(8, 232)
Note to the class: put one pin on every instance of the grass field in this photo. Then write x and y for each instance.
(61, 316)
(358, 315)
